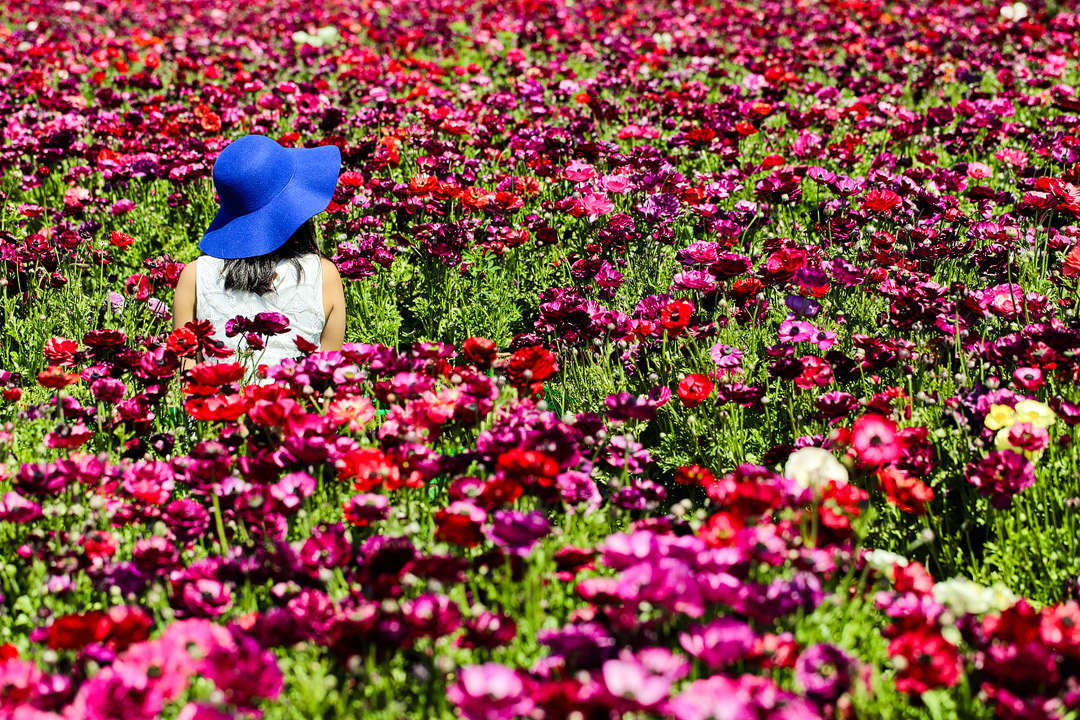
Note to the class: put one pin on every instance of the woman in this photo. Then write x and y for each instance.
(260, 250)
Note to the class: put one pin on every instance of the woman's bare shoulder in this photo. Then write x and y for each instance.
(187, 275)
(329, 269)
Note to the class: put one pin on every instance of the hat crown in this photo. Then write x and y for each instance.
(250, 172)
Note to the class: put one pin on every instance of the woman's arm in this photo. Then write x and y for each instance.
(184, 297)
(333, 334)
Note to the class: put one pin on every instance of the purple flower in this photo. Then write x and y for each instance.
(237, 325)
(577, 488)
(115, 302)
(824, 671)
(516, 531)
(807, 307)
(366, 508)
(625, 452)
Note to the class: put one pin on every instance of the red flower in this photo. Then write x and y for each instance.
(368, 468)
(881, 201)
(875, 440)
(746, 287)
(304, 346)
(694, 475)
(183, 342)
(74, 632)
(693, 389)
(912, 577)
(118, 628)
(782, 265)
(54, 378)
(931, 661)
(461, 524)
(524, 464)
(480, 351)
(499, 491)
(840, 503)
(530, 366)
(906, 492)
(675, 316)
(721, 528)
(61, 351)
(208, 345)
(1060, 628)
(138, 285)
(207, 378)
(217, 407)
(1071, 266)
(121, 240)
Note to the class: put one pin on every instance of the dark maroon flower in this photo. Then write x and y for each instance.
(1001, 475)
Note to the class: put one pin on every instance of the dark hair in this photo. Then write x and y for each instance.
(256, 274)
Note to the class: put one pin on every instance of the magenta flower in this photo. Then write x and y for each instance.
(720, 643)
(244, 672)
(824, 672)
(1001, 475)
(517, 532)
(490, 692)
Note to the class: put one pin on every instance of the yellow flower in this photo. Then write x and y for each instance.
(1034, 412)
(999, 417)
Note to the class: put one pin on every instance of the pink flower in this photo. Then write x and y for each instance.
(796, 331)
(595, 205)
(643, 679)
(1017, 158)
(1029, 378)
(490, 692)
(199, 711)
(244, 672)
(1006, 300)
(355, 410)
(875, 440)
(618, 184)
(578, 171)
(720, 643)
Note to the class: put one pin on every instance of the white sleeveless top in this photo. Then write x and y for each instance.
(299, 300)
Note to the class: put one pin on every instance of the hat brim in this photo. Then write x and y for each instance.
(263, 231)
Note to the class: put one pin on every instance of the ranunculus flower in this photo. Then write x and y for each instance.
(694, 389)
(1001, 475)
(813, 467)
(875, 440)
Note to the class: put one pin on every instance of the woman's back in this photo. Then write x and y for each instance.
(300, 299)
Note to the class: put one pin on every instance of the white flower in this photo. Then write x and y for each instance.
(813, 467)
(327, 35)
(1015, 12)
(883, 560)
(963, 596)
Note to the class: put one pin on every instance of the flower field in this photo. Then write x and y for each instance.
(705, 360)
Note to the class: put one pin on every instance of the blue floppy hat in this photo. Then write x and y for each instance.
(267, 192)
